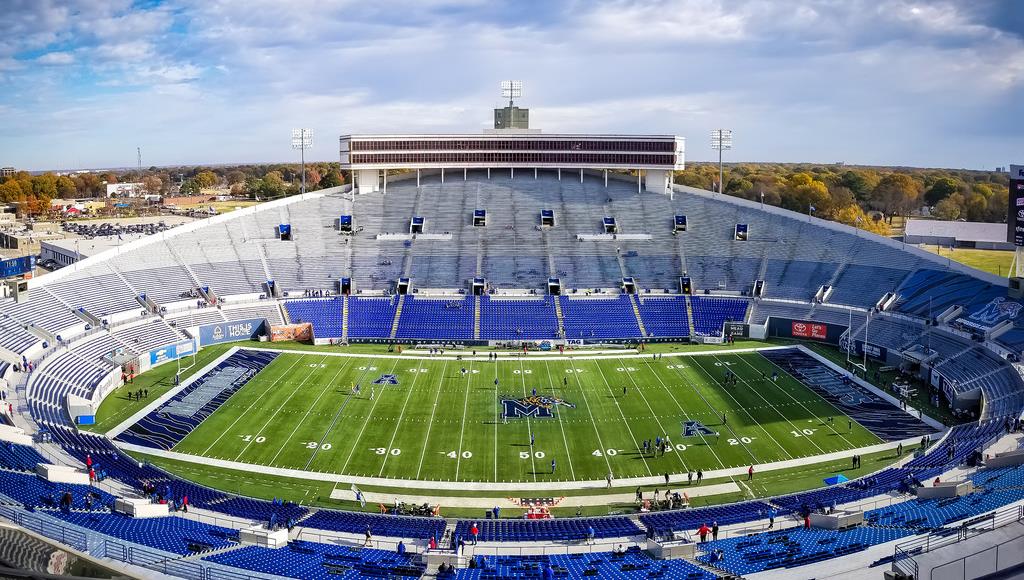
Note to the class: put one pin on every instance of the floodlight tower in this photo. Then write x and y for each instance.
(721, 140)
(302, 139)
(511, 90)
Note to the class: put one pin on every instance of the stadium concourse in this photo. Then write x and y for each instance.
(410, 267)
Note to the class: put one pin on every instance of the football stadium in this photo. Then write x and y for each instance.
(516, 355)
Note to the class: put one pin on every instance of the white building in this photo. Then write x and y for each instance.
(124, 189)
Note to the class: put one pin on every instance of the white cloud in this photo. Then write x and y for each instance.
(56, 58)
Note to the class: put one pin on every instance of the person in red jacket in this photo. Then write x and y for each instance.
(703, 532)
(184, 504)
(474, 531)
(750, 473)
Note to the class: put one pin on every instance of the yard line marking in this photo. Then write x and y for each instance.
(279, 407)
(829, 403)
(593, 422)
(529, 428)
(462, 432)
(248, 408)
(355, 442)
(745, 410)
(430, 425)
(398, 423)
(776, 409)
(497, 416)
(686, 381)
(330, 385)
(560, 425)
(651, 409)
(687, 415)
(624, 421)
(320, 443)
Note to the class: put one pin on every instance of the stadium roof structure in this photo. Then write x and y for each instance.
(960, 231)
(655, 155)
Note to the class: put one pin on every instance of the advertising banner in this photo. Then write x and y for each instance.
(815, 330)
(1015, 211)
(231, 331)
(298, 332)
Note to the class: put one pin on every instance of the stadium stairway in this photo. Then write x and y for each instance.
(689, 316)
(476, 318)
(560, 316)
(636, 312)
(344, 317)
(398, 316)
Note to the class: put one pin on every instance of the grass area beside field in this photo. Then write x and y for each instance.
(993, 261)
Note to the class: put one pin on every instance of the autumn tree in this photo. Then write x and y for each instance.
(896, 193)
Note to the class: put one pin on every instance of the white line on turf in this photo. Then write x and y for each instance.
(554, 386)
(717, 415)
(295, 390)
(430, 425)
(246, 411)
(398, 423)
(462, 432)
(686, 415)
(640, 391)
(330, 385)
(636, 442)
(774, 408)
(529, 427)
(743, 409)
(355, 442)
(838, 411)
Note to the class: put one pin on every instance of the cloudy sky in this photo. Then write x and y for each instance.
(926, 83)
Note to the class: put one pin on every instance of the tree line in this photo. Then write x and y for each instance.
(33, 193)
(865, 197)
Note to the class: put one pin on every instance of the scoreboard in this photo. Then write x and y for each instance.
(17, 266)
(1015, 212)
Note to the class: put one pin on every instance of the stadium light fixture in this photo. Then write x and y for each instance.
(302, 139)
(511, 90)
(721, 140)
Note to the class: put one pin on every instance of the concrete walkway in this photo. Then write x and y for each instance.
(510, 502)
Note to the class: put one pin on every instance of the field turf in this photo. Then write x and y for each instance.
(440, 424)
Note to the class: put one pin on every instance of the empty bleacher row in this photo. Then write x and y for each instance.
(506, 318)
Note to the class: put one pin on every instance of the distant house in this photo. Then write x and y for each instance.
(983, 236)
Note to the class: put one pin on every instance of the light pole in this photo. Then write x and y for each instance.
(302, 139)
(721, 140)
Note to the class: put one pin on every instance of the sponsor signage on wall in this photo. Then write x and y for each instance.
(815, 330)
(231, 331)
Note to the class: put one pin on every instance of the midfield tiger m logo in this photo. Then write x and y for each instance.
(387, 380)
(538, 407)
(695, 429)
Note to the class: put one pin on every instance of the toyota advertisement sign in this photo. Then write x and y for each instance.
(1015, 214)
(815, 330)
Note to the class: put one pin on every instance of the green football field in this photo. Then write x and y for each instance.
(440, 423)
